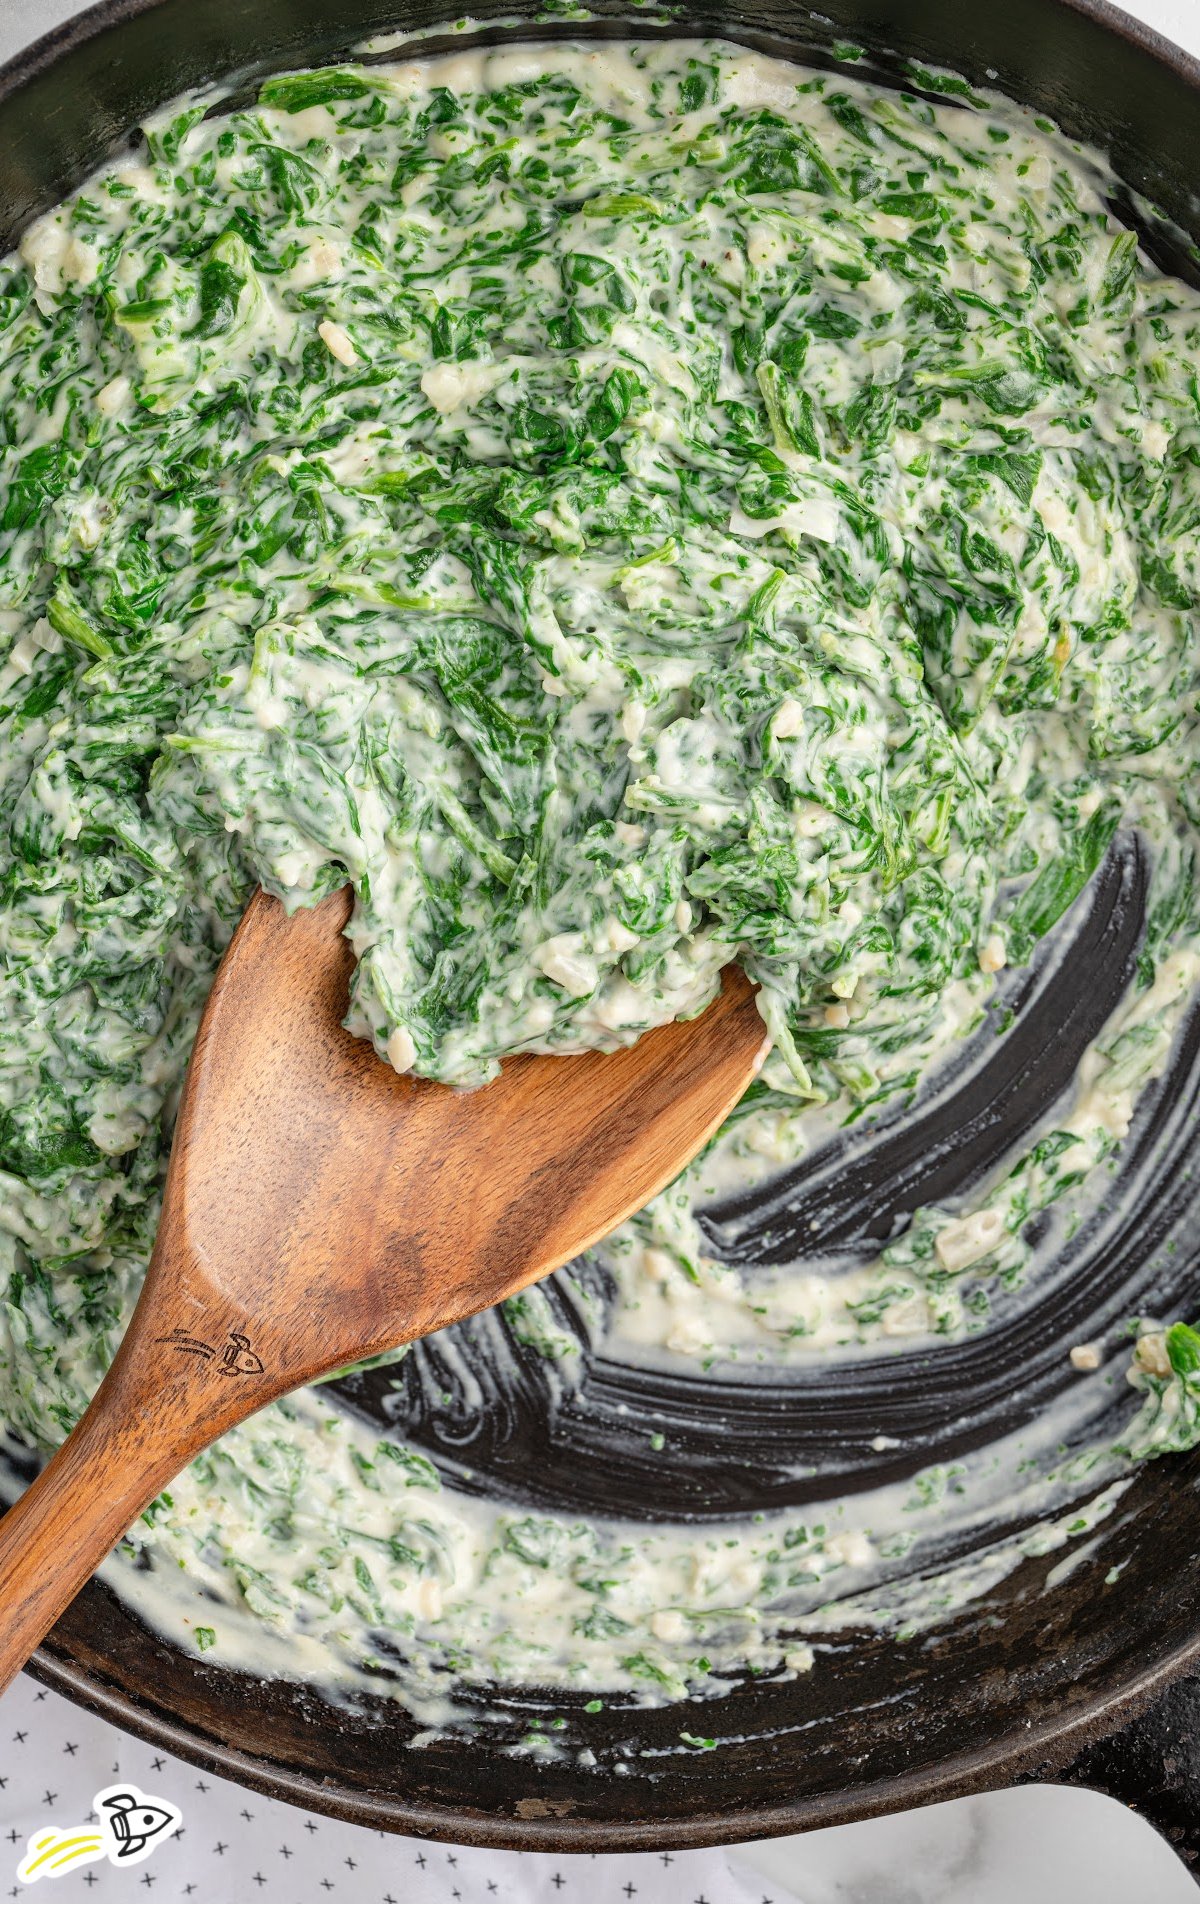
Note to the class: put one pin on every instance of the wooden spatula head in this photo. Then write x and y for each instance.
(359, 1208)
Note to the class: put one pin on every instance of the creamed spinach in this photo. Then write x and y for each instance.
(624, 510)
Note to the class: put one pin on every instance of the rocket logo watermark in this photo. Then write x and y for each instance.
(131, 1825)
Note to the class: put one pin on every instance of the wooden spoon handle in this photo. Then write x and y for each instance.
(170, 1392)
(63, 1526)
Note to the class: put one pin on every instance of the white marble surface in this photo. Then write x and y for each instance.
(1038, 1844)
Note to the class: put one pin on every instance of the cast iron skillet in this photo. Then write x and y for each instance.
(1087, 1683)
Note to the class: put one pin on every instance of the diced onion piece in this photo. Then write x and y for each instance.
(966, 1240)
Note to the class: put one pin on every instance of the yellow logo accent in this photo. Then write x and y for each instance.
(54, 1851)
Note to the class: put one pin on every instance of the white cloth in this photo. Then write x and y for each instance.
(234, 1848)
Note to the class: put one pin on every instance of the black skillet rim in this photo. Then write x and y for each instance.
(1025, 1752)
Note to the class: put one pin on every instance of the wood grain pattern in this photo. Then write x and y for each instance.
(319, 1208)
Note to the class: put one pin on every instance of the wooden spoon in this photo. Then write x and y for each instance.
(320, 1208)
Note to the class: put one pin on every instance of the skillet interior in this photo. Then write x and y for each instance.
(880, 1723)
